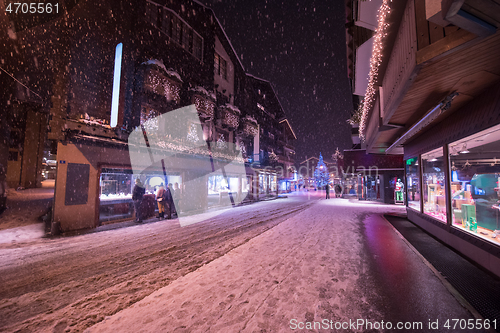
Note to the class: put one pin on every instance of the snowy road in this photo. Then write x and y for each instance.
(266, 267)
(71, 283)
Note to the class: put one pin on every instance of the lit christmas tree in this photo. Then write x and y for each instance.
(321, 175)
(192, 135)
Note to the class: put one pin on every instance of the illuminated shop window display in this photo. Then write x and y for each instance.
(219, 187)
(217, 184)
(433, 180)
(274, 183)
(116, 184)
(263, 183)
(413, 183)
(245, 185)
(350, 185)
(475, 183)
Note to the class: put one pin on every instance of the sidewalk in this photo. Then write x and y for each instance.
(25, 207)
(322, 264)
(478, 287)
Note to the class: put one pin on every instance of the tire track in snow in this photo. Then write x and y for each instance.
(73, 290)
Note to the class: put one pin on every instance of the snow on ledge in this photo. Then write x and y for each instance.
(232, 108)
(170, 72)
(204, 91)
(158, 63)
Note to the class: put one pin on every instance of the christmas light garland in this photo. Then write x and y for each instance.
(204, 106)
(375, 61)
(231, 119)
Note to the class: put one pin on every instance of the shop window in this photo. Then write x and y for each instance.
(434, 187)
(219, 184)
(475, 183)
(413, 183)
(116, 184)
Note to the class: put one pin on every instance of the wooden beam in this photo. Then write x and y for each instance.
(443, 45)
(422, 25)
(436, 32)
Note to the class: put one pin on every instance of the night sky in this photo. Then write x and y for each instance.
(300, 48)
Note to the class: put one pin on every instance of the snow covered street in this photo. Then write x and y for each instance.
(267, 267)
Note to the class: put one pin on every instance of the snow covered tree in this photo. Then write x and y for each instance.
(321, 176)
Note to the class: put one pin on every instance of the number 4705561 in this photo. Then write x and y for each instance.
(32, 8)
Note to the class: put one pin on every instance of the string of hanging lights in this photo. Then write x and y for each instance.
(375, 61)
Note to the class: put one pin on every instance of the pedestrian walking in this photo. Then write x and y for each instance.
(160, 195)
(169, 201)
(137, 196)
(177, 199)
(327, 189)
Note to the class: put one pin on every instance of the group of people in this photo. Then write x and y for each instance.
(337, 188)
(166, 198)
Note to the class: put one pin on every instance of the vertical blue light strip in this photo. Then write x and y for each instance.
(116, 85)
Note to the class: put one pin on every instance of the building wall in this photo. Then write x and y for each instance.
(33, 149)
(74, 217)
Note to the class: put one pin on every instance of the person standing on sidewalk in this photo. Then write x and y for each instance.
(327, 188)
(137, 196)
(169, 201)
(160, 197)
